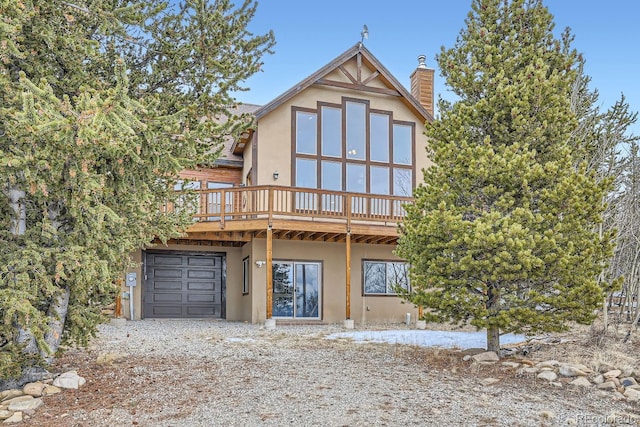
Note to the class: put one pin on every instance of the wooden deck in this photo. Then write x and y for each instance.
(235, 215)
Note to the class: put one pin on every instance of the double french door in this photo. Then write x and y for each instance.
(296, 289)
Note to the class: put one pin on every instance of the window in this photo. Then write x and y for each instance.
(351, 147)
(245, 276)
(383, 277)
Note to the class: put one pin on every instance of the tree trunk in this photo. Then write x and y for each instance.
(58, 314)
(493, 339)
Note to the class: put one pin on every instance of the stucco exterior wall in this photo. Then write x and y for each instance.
(332, 256)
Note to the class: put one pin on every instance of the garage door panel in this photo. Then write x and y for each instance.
(184, 285)
(167, 260)
(195, 286)
(203, 311)
(166, 272)
(170, 297)
(164, 285)
(204, 298)
(166, 311)
(201, 262)
(201, 274)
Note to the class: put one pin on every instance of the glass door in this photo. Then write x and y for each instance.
(296, 290)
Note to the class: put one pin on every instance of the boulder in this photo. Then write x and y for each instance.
(4, 414)
(34, 389)
(487, 356)
(632, 395)
(548, 376)
(22, 398)
(51, 389)
(615, 373)
(15, 418)
(10, 394)
(26, 405)
(69, 379)
(490, 381)
(581, 382)
(571, 371)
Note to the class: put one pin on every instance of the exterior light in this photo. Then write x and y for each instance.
(276, 175)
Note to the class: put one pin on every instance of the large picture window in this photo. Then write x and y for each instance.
(351, 147)
(384, 277)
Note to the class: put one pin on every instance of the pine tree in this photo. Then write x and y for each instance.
(97, 119)
(502, 234)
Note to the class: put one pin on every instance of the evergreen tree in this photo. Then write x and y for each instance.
(503, 232)
(97, 119)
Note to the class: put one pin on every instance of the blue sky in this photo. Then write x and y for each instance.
(309, 34)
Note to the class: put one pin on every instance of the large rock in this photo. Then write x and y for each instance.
(69, 379)
(26, 405)
(10, 394)
(581, 382)
(571, 371)
(22, 398)
(51, 389)
(548, 364)
(487, 356)
(34, 389)
(615, 373)
(547, 375)
(4, 414)
(15, 418)
(632, 395)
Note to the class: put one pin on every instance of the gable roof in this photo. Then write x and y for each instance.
(368, 58)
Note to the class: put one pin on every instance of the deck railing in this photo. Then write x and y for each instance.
(276, 202)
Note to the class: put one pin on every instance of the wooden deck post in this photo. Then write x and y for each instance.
(348, 274)
(269, 272)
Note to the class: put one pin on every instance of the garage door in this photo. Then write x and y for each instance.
(180, 284)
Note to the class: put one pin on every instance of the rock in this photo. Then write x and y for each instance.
(22, 398)
(15, 418)
(632, 395)
(109, 358)
(527, 371)
(487, 356)
(69, 379)
(615, 373)
(547, 375)
(628, 381)
(10, 394)
(626, 372)
(490, 381)
(607, 385)
(26, 405)
(548, 364)
(466, 358)
(571, 371)
(33, 389)
(513, 365)
(581, 382)
(598, 379)
(527, 362)
(4, 414)
(51, 389)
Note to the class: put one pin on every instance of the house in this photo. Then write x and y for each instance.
(299, 220)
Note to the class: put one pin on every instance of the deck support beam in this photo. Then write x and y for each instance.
(348, 275)
(269, 272)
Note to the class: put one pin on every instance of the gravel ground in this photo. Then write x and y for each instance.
(216, 373)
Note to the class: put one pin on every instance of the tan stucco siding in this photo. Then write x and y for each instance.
(332, 256)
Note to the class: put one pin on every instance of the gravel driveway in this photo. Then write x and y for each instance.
(217, 373)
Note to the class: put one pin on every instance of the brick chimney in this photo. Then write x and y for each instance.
(422, 84)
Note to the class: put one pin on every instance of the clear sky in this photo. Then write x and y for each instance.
(309, 34)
